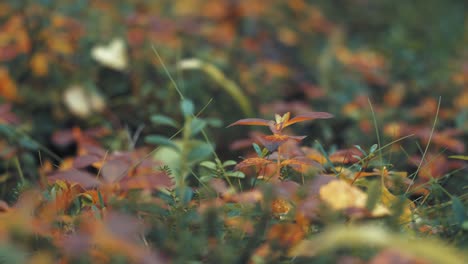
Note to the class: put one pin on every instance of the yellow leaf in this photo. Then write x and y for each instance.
(39, 64)
(340, 195)
(460, 157)
(388, 199)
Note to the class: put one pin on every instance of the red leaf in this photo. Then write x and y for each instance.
(85, 179)
(272, 142)
(85, 161)
(93, 150)
(308, 116)
(154, 180)
(114, 170)
(251, 122)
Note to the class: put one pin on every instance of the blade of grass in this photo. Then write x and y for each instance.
(385, 146)
(167, 72)
(377, 133)
(324, 153)
(20, 171)
(428, 144)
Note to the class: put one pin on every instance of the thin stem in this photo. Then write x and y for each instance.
(20, 171)
(427, 146)
(278, 163)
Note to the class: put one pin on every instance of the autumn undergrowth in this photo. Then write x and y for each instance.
(281, 202)
(220, 131)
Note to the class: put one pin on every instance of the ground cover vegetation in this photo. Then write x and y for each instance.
(220, 131)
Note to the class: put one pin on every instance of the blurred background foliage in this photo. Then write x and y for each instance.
(97, 75)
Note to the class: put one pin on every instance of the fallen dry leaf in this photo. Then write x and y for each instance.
(340, 195)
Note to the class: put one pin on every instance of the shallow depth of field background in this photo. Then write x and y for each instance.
(107, 70)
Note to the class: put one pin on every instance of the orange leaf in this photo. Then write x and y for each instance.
(252, 196)
(8, 88)
(251, 122)
(308, 116)
(257, 162)
(280, 206)
(301, 164)
(240, 223)
(154, 180)
(272, 142)
(40, 64)
(287, 234)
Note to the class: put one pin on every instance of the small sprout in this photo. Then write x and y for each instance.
(361, 150)
(257, 149)
(373, 148)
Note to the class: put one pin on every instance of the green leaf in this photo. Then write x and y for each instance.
(209, 165)
(206, 178)
(197, 125)
(6, 130)
(170, 157)
(199, 152)
(361, 150)
(161, 140)
(187, 107)
(185, 194)
(151, 208)
(465, 225)
(86, 200)
(373, 148)
(96, 211)
(164, 120)
(28, 143)
(101, 200)
(235, 174)
(257, 149)
(214, 122)
(458, 210)
(228, 163)
(12, 254)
